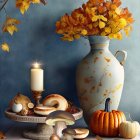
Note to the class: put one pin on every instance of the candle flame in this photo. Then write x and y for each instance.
(36, 65)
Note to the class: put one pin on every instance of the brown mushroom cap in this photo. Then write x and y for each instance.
(77, 133)
(60, 116)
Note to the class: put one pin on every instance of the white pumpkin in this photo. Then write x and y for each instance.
(16, 107)
(129, 129)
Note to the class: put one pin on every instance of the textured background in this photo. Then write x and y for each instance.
(37, 40)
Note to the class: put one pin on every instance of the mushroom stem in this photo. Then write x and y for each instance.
(59, 127)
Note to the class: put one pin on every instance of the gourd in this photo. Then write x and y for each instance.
(106, 122)
(16, 107)
(129, 129)
(21, 104)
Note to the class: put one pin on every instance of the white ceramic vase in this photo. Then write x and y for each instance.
(99, 76)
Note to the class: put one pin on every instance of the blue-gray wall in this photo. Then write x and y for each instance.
(37, 40)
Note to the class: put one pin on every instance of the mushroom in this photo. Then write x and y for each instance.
(60, 120)
(77, 133)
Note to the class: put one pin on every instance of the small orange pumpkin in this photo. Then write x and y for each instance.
(106, 123)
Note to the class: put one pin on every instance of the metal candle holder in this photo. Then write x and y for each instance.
(37, 95)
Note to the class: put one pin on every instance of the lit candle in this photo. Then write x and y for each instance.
(37, 78)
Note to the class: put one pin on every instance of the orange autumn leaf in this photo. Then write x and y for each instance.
(10, 25)
(101, 9)
(117, 2)
(107, 5)
(113, 6)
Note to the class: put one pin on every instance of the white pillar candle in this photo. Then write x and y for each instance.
(37, 78)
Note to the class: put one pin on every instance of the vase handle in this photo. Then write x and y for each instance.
(124, 53)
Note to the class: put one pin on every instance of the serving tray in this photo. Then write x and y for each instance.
(42, 131)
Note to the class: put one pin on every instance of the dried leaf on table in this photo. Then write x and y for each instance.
(2, 135)
(98, 138)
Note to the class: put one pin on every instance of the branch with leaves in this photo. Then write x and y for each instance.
(10, 24)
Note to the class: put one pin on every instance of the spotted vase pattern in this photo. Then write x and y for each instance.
(99, 76)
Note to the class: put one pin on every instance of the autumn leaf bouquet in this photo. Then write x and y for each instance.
(96, 17)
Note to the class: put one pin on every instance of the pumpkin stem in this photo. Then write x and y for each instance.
(107, 105)
(129, 116)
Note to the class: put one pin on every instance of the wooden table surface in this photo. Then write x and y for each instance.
(15, 132)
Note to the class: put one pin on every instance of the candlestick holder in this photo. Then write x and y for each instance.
(37, 95)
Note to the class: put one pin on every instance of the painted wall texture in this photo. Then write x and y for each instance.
(37, 40)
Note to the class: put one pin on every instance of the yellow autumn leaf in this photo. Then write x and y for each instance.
(93, 10)
(35, 1)
(102, 18)
(23, 9)
(103, 34)
(5, 47)
(118, 11)
(94, 18)
(11, 29)
(76, 36)
(111, 36)
(101, 24)
(108, 30)
(67, 38)
(23, 5)
(84, 32)
(123, 22)
(10, 25)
